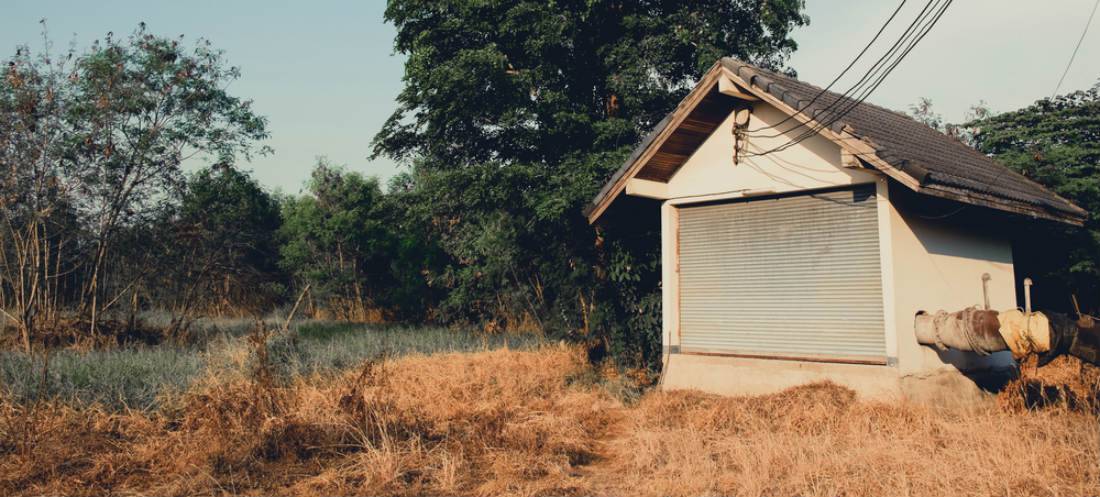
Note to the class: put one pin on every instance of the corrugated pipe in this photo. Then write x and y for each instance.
(1047, 335)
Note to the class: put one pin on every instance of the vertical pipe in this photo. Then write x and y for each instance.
(1027, 295)
(985, 289)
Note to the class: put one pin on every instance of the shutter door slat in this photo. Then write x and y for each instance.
(795, 276)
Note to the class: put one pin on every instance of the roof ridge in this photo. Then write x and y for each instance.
(772, 75)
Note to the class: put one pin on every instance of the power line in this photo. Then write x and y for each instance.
(1078, 47)
(1000, 175)
(863, 80)
(842, 73)
(878, 76)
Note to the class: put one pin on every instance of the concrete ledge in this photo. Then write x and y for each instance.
(727, 375)
(954, 388)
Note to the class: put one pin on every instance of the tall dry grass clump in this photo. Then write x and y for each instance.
(1066, 382)
(502, 422)
(818, 440)
(512, 422)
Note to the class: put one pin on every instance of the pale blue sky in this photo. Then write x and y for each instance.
(324, 73)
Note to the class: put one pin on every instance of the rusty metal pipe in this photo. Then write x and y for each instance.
(971, 329)
(977, 330)
(1079, 338)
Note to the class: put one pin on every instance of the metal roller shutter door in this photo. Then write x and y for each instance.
(790, 276)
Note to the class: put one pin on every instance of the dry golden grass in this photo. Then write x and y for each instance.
(817, 440)
(526, 423)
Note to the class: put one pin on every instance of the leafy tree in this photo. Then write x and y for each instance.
(514, 113)
(1055, 142)
(218, 248)
(338, 238)
(91, 147)
(527, 81)
(140, 108)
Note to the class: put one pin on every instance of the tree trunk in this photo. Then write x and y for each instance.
(93, 285)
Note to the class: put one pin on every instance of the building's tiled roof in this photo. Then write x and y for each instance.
(943, 165)
(951, 165)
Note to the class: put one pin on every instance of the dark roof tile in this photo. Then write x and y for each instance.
(940, 163)
(899, 139)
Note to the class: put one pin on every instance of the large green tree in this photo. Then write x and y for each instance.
(514, 113)
(526, 81)
(1055, 142)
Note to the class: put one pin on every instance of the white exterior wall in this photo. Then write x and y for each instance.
(813, 163)
(939, 266)
(926, 265)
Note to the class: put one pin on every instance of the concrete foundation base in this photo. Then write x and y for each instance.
(726, 375)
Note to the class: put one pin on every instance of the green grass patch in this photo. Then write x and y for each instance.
(139, 377)
(120, 378)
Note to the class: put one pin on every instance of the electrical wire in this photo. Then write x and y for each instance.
(879, 77)
(1075, 49)
(1000, 175)
(843, 72)
(862, 81)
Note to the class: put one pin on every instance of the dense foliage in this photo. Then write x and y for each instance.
(512, 116)
(1055, 142)
(345, 239)
(218, 246)
(92, 151)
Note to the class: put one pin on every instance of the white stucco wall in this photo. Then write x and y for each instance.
(813, 163)
(927, 264)
(938, 265)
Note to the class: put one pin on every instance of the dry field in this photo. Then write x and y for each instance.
(536, 422)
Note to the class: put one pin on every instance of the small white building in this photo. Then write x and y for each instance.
(802, 232)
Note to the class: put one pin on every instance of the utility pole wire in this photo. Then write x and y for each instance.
(859, 84)
(1075, 49)
(997, 179)
(877, 74)
(842, 73)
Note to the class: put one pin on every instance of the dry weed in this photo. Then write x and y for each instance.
(490, 423)
(818, 440)
(513, 423)
(1066, 382)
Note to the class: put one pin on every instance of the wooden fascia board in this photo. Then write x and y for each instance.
(993, 202)
(679, 114)
(647, 188)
